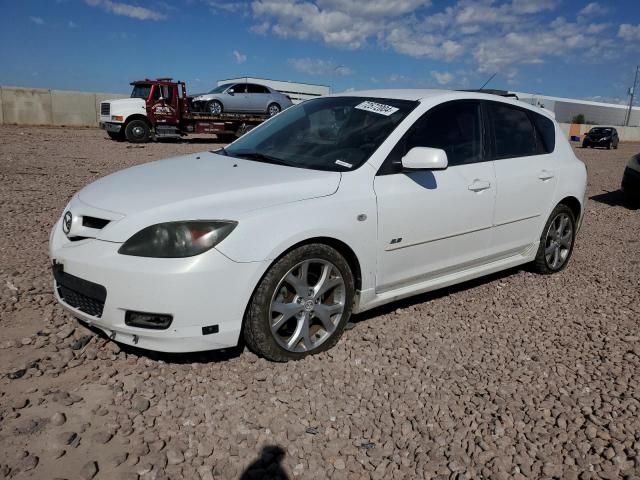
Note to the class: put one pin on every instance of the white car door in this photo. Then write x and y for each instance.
(522, 142)
(435, 222)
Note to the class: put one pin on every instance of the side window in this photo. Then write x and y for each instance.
(240, 88)
(514, 135)
(545, 133)
(453, 127)
(252, 88)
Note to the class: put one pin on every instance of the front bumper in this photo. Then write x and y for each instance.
(202, 291)
(111, 127)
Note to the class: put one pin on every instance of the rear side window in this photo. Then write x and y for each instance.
(513, 132)
(252, 88)
(545, 133)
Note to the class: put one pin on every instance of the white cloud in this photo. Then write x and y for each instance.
(317, 66)
(443, 78)
(629, 32)
(593, 8)
(494, 34)
(240, 58)
(228, 6)
(37, 20)
(126, 10)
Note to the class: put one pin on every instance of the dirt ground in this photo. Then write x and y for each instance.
(513, 376)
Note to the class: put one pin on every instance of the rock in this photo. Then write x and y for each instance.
(140, 404)
(67, 438)
(101, 438)
(29, 463)
(58, 452)
(116, 459)
(174, 457)
(89, 470)
(58, 419)
(21, 403)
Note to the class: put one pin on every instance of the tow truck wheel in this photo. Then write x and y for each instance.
(214, 107)
(273, 109)
(137, 131)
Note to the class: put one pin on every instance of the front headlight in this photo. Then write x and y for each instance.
(177, 239)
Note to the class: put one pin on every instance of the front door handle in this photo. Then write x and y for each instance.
(545, 175)
(479, 185)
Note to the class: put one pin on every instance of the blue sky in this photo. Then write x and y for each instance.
(567, 48)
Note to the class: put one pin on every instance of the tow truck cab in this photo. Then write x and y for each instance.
(161, 109)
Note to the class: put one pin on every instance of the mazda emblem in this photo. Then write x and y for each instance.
(66, 222)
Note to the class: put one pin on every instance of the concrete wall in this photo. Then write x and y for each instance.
(34, 106)
(626, 134)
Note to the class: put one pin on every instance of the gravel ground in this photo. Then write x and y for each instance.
(513, 376)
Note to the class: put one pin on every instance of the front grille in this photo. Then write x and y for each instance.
(86, 296)
(105, 108)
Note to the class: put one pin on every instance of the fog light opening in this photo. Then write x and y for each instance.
(153, 321)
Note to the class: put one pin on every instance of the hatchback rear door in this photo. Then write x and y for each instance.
(522, 144)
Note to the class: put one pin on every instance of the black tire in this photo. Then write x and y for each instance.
(615, 146)
(609, 146)
(215, 107)
(258, 317)
(585, 145)
(137, 131)
(541, 264)
(115, 135)
(273, 109)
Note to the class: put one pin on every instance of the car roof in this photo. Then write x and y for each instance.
(427, 94)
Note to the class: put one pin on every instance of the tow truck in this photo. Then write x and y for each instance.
(161, 108)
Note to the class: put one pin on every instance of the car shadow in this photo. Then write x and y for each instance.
(615, 199)
(267, 465)
(424, 178)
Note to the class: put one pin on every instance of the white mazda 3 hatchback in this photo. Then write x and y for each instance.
(335, 206)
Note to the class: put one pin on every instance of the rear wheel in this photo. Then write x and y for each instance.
(137, 131)
(273, 109)
(556, 242)
(301, 305)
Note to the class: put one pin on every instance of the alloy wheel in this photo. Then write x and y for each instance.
(558, 241)
(307, 305)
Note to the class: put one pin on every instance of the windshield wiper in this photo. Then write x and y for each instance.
(260, 157)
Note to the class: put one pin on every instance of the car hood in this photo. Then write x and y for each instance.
(127, 102)
(204, 186)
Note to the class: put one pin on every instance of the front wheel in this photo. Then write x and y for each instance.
(215, 107)
(556, 242)
(137, 131)
(273, 109)
(115, 135)
(301, 305)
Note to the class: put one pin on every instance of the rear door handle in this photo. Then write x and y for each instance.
(545, 175)
(479, 185)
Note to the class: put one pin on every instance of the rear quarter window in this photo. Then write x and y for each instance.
(513, 132)
(545, 133)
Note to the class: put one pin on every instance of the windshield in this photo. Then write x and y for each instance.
(141, 91)
(219, 88)
(600, 130)
(330, 133)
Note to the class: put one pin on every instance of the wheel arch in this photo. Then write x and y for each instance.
(345, 250)
(574, 205)
(137, 116)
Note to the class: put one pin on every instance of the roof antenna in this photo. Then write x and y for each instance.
(490, 78)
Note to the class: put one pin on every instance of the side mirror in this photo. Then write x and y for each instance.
(425, 158)
(231, 91)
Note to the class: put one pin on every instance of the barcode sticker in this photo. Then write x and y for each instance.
(343, 164)
(379, 108)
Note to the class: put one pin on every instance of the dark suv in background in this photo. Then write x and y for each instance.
(601, 137)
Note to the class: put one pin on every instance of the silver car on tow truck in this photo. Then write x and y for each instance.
(242, 98)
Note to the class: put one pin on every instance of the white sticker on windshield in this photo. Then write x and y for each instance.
(343, 164)
(374, 107)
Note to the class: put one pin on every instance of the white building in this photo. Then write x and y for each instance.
(597, 113)
(296, 91)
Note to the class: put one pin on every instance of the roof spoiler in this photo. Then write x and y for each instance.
(491, 91)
